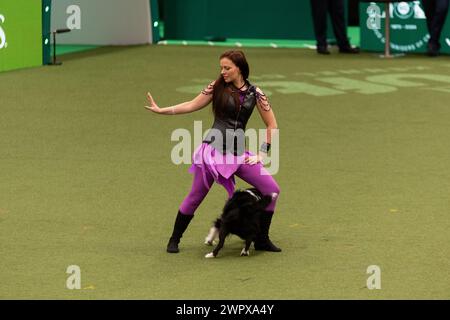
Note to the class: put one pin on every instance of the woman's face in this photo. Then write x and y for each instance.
(229, 71)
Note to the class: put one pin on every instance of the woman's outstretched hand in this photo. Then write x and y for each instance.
(153, 106)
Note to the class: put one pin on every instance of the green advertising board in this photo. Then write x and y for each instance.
(253, 19)
(46, 34)
(408, 27)
(20, 34)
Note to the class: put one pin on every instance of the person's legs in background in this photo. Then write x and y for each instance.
(436, 13)
(319, 10)
(428, 7)
(433, 43)
(337, 14)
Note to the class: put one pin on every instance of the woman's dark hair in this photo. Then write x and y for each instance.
(222, 91)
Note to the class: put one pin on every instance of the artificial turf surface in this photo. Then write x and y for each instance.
(86, 178)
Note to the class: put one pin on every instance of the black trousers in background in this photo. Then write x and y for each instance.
(335, 8)
(436, 12)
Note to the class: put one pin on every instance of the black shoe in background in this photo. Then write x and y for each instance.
(432, 53)
(322, 50)
(349, 50)
(432, 50)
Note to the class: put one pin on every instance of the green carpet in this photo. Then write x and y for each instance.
(353, 34)
(244, 43)
(86, 178)
(65, 49)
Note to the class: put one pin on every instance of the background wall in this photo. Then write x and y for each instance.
(197, 19)
(103, 22)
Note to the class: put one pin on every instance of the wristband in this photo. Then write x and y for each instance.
(265, 147)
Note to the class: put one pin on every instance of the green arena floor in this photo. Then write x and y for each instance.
(353, 35)
(86, 178)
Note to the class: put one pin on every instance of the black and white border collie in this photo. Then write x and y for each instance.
(240, 216)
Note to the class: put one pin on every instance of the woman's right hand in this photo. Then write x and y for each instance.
(153, 106)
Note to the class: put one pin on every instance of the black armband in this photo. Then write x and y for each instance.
(265, 147)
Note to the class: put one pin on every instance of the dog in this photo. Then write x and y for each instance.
(240, 216)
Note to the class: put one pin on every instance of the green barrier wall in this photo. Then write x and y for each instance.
(154, 16)
(20, 34)
(257, 19)
(46, 32)
(408, 29)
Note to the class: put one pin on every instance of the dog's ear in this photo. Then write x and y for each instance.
(264, 202)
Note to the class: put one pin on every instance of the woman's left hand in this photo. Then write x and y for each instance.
(253, 159)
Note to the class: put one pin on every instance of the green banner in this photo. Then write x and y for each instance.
(408, 27)
(154, 20)
(253, 19)
(20, 34)
(46, 34)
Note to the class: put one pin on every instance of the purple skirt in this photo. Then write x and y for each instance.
(220, 166)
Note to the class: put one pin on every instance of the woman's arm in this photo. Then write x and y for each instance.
(267, 115)
(195, 104)
(199, 102)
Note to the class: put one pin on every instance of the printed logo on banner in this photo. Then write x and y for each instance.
(3, 43)
(404, 10)
(405, 16)
(74, 20)
(374, 17)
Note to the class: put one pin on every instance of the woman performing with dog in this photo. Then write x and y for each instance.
(222, 154)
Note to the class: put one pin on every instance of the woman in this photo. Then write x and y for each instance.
(233, 99)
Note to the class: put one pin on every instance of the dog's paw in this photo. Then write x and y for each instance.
(245, 253)
(210, 255)
(209, 242)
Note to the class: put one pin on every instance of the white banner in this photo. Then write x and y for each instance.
(102, 22)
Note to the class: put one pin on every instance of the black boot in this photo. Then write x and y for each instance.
(263, 242)
(181, 223)
(322, 50)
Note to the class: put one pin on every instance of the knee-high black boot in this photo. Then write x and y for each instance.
(263, 242)
(181, 223)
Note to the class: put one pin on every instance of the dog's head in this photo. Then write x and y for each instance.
(246, 203)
